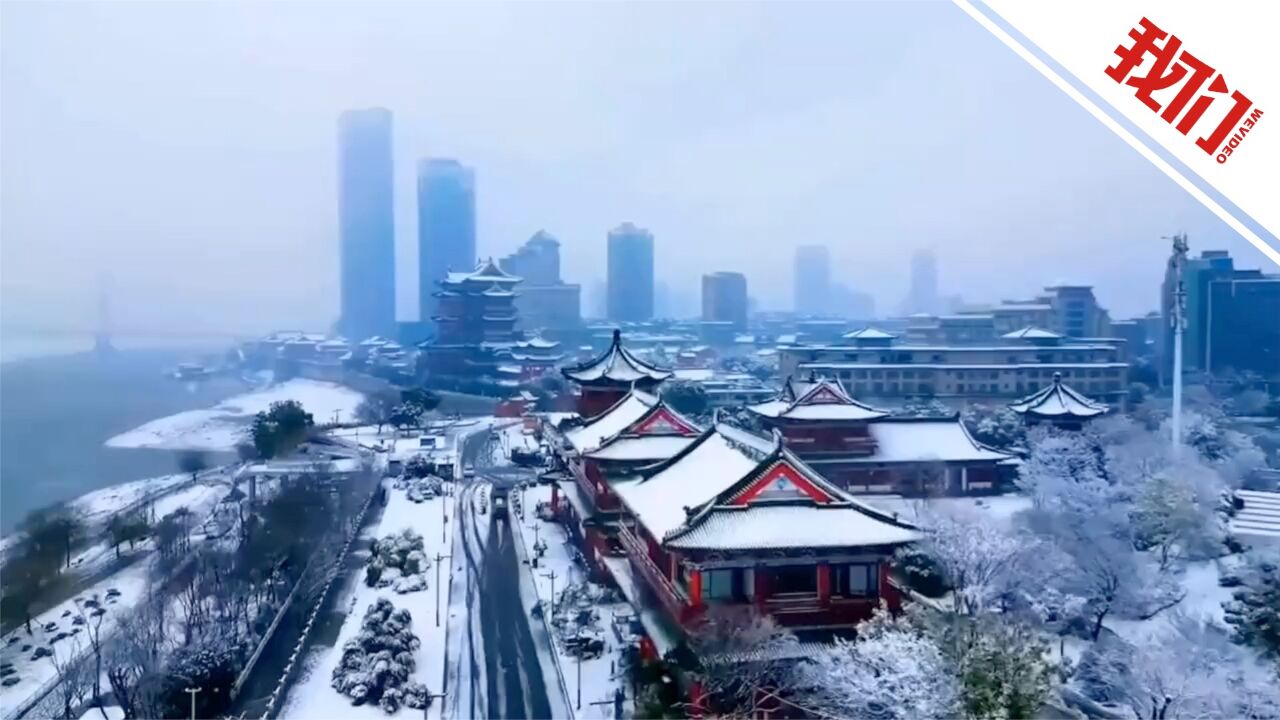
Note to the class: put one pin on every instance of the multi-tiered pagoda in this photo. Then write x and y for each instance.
(475, 324)
(607, 378)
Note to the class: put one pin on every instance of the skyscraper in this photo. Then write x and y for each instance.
(446, 225)
(366, 220)
(812, 280)
(1229, 318)
(543, 300)
(630, 293)
(922, 297)
(724, 298)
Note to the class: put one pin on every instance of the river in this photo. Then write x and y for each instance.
(56, 412)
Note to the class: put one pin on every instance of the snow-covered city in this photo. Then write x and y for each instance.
(371, 359)
(637, 552)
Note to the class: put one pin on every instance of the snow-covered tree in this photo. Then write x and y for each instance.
(1189, 670)
(1254, 611)
(1004, 668)
(978, 559)
(995, 426)
(742, 658)
(893, 671)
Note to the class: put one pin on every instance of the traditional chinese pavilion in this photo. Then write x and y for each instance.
(1058, 404)
(605, 379)
(866, 450)
(738, 519)
(637, 431)
(475, 324)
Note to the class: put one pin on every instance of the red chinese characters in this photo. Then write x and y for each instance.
(1171, 66)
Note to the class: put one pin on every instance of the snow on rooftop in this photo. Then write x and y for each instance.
(707, 469)
(868, 333)
(777, 526)
(913, 440)
(611, 422)
(1058, 400)
(616, 364)
(1031, 333)
(645, 447)
(816, 399)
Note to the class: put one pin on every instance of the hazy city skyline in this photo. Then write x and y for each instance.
(747, 130)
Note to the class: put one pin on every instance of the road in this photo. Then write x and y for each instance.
(493, 665)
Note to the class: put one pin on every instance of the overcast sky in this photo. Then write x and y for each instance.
(187, 151)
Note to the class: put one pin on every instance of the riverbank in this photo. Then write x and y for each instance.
(56, 413)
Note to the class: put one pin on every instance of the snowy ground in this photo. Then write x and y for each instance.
(131, 582)
(312, 696)
(223, 426)
(600, 676)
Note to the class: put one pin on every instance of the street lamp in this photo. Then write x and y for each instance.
(193, 692)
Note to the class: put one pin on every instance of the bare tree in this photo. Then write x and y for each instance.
(133, 658)
(75, 683)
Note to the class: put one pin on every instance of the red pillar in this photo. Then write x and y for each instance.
(761, 587)
(824, 584)
(555, 497)
(695, 588)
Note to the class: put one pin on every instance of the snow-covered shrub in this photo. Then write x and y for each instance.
(410, 583)
(398, 561)
(1254, 613)
(376, 663)
(416, 695)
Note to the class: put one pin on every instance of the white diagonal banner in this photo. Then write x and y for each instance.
(1190, 85)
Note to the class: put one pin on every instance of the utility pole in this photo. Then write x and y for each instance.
(580, 651)
(444, 517)
(552, 575)
(439, 557)
(192, 692)
(1179, 322)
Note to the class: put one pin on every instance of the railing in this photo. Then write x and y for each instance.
(335, 571)
(668, 594)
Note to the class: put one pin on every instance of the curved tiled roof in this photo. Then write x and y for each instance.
(1058, 400)
(816, 399)
(616, 366)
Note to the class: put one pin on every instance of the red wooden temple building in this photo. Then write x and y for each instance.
(866, 450)
(638, 430)
(737, 519)
(605, 379)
